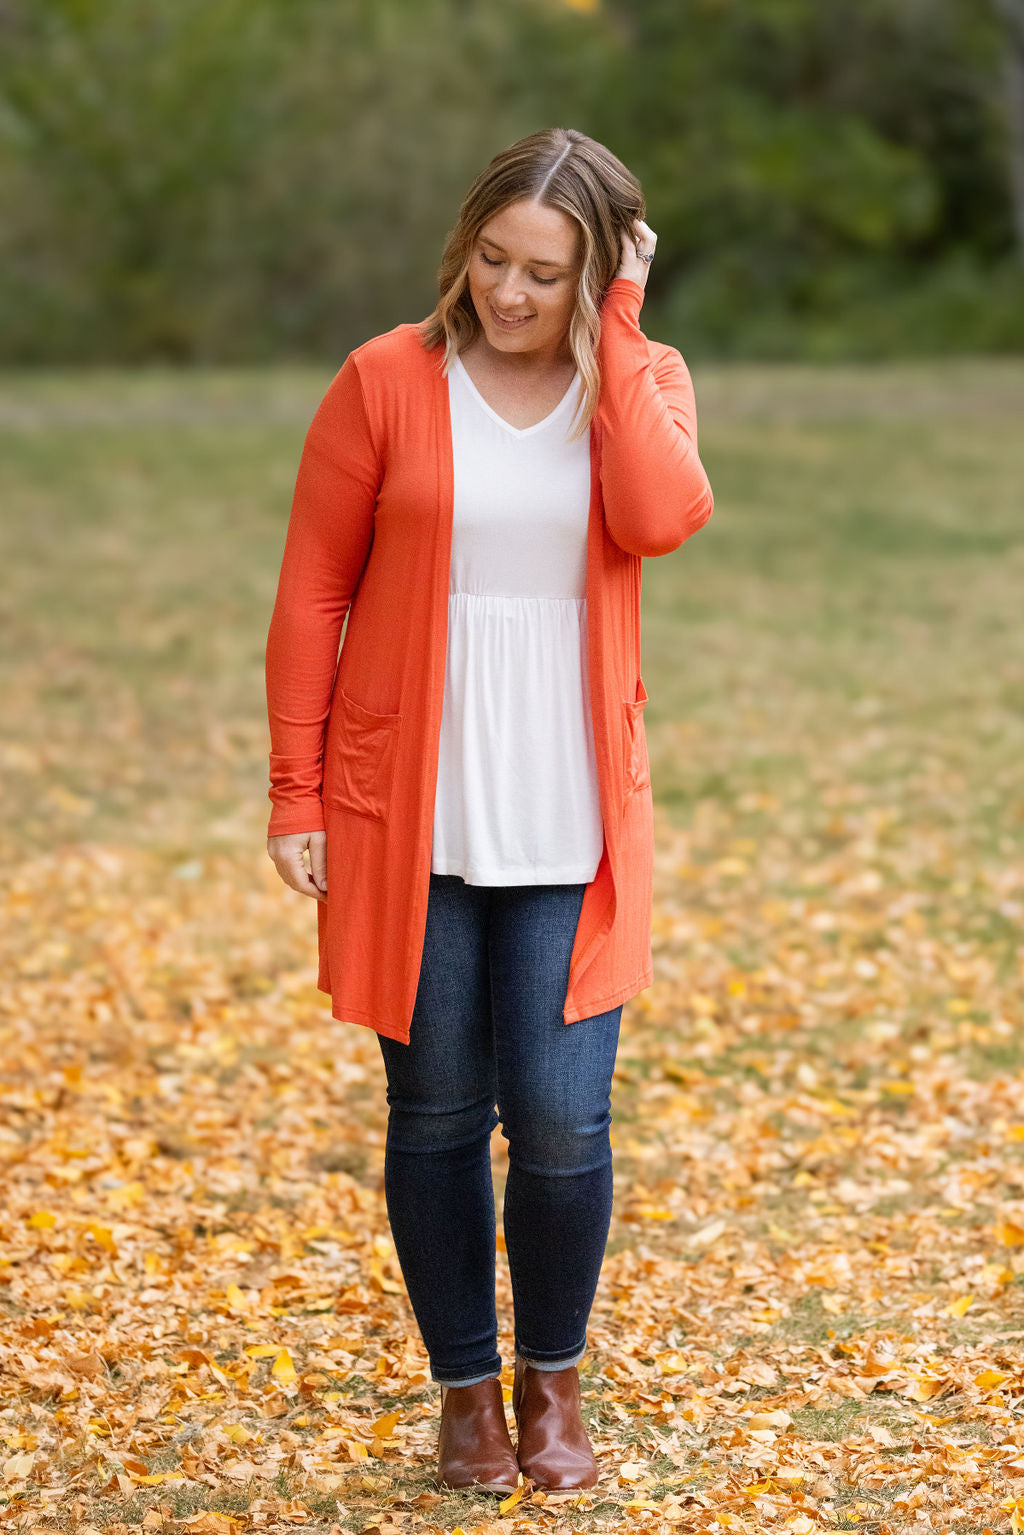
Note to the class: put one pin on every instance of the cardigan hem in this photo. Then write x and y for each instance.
(366, 1020)
(575, 1015)
(605, 1004)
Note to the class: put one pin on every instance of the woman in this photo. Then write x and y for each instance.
(470, 778)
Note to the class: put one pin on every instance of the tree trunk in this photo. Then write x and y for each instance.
(1011, 13)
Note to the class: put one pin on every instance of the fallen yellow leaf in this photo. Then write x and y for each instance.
(236, 1298)
(778, 1419)
(377, 1274)
(510, 1502)
(283, 1369)
(238, 1433)
(103, 1235)
(924, 1388)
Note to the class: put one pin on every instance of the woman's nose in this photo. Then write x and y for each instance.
(509, 292)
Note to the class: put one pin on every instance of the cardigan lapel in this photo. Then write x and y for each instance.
(598, 910)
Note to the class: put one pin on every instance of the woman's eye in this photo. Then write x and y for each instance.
(545, 282)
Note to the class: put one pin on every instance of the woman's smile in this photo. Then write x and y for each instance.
(509, 322)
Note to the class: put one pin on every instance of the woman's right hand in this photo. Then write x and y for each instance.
(287, 852)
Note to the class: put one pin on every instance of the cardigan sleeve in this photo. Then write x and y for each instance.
(330, 531)
(656, 492)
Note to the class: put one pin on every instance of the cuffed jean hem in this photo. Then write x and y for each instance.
(471, 1380)
(551, 1364)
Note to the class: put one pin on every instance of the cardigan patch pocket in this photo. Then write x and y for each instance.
(365, 755)
(637, 766)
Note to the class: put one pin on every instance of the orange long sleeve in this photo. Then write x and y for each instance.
(330, 532)
(655, 490)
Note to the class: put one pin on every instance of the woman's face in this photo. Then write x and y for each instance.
(523, 269)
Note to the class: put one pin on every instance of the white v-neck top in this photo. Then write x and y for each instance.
(517, 789)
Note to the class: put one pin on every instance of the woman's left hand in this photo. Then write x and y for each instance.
(630, 264)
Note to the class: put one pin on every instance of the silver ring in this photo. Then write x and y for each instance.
(648, 259)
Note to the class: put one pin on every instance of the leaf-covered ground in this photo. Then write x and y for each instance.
(811, 1312)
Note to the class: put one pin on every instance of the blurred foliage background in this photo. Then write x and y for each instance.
(232, 181)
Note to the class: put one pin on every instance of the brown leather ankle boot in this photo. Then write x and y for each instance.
(474, 1448)
(553, 1449)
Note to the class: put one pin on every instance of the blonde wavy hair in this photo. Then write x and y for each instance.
(559, 168)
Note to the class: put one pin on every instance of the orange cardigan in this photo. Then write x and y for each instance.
(354, 740)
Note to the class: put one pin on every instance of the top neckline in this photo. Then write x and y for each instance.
(515, 431)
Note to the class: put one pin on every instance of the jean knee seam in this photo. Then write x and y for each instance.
(559, 1172)
(426, 1151)
(438, 1110)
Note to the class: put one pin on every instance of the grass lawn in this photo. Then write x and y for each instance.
(813, 1298)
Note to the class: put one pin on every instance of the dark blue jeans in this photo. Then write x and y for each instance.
(487, 1040)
